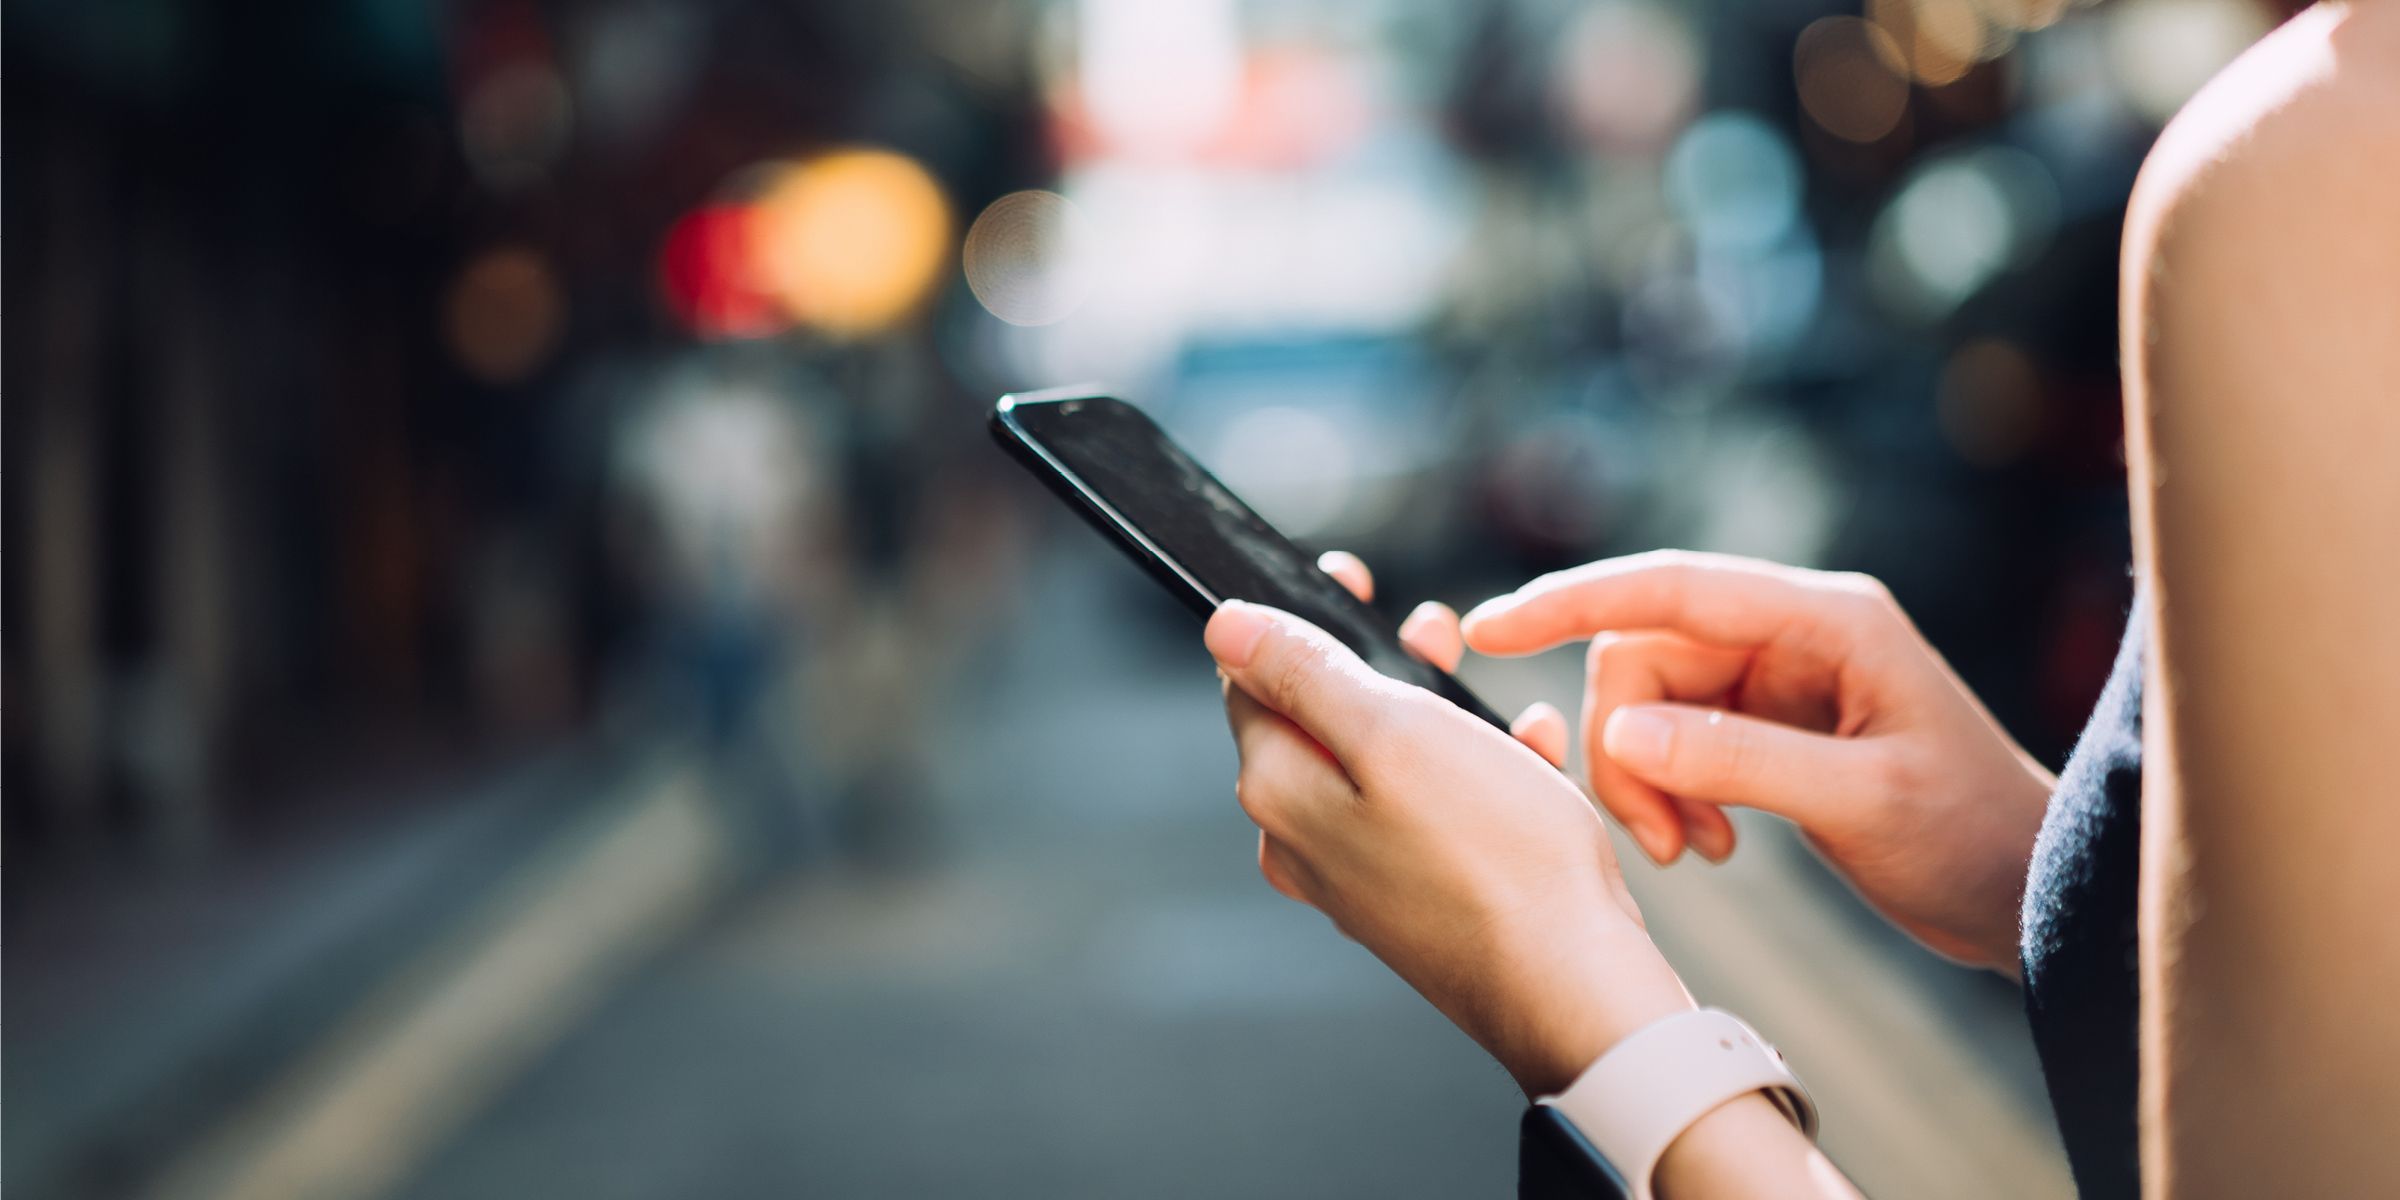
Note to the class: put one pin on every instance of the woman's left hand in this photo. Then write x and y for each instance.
(1461, 858)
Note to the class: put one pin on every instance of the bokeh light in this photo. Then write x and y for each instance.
(504, 314)
(1937, 41)
(1734, 183)
(1989, 402)
(850, 241)
(1025, 257)
(1769, 299)
(2023, 16)
(1628, 75)
(2161, 51)
(709, 279)
(1957, 223)
(1844, 68)
(514, 123)
(1159, 78)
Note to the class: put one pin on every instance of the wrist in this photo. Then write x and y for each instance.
(1578, 998)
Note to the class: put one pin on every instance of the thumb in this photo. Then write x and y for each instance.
(1725, 758)
(1302, 672)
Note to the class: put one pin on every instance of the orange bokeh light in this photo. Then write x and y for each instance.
(504, 315)
(1851, 79)
(849, 242)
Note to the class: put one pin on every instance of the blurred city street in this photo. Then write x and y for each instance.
(527, 676)
(1073, 985)
(1090, 992)
(1079, 987)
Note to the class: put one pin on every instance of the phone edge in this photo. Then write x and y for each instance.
(1099, 513)
(1103, 516)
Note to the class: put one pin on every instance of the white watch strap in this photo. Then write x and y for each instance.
(1658, 1082)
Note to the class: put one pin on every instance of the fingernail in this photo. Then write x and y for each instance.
(1715, 854)
(1712, 841)
(1655, 840)
(1234, 632)
(1417, 618)
(1534, 714)
(1638, 739)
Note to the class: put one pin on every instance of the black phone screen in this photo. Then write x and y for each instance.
(1115, 464)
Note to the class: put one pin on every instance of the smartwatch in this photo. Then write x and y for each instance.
(1604, 1135)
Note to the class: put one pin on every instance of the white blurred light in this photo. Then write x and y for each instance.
(1958, 223)
(1294, 465)
(1189, 254)
(1767, 491)
(1026, 257)
(724, 463)
(2163, 50)
(1629, 74)
(1734, 182)
(1159, 77)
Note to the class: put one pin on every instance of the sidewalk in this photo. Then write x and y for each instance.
(144, 1005)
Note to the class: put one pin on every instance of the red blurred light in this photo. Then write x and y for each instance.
(705, 274)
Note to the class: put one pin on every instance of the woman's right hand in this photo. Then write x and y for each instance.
(1714, 680)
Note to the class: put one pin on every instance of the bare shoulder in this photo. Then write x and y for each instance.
(2260, 345)
(2262, 251)
(2300, 128)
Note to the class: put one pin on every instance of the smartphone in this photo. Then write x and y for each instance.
(1109, 461)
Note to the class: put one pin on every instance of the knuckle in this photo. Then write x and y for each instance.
(1890, 773)
(1859, 586)
(1257, 798)
(1861, 598)
(1299, 674)
(1606, 650)
(1553, 580)
(1732, 759)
